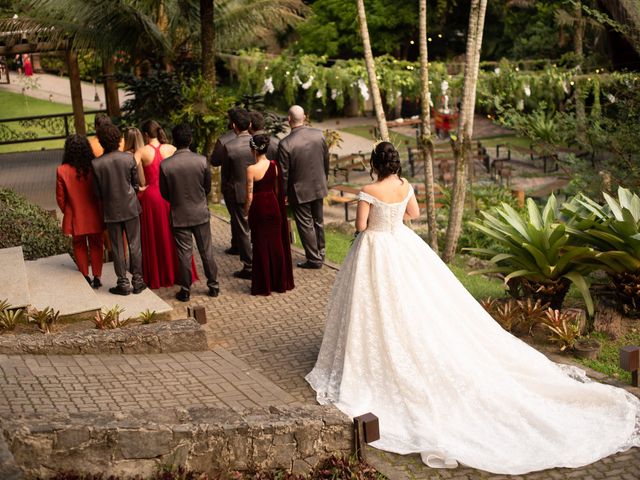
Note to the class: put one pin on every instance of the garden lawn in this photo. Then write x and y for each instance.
(365, 131)
(608, 362)
(16, 105)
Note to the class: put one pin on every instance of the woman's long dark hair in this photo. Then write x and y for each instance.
(154, 130)
(78, 154)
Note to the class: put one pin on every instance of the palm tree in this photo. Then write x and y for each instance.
(207, 41)
(426, 141)
(465, 126)
(371, 72)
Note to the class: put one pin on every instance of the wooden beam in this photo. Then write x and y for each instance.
(40, 47)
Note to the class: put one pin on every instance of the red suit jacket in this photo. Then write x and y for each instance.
(78, 201)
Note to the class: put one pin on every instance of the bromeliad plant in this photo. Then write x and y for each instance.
(535, 253)
(613, 230)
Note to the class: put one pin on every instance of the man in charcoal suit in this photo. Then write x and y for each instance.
(185, 182)
(236, 157)
(116, 180)
(216, 161)
(303, 157)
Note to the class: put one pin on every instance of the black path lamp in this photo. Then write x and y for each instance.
(366, 429)
(630, 361)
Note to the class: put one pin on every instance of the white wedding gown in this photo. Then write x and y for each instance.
(406, 341)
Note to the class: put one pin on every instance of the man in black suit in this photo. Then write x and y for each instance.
(216, 161)
(257, 128)
(236, 157)
(185, 181)
(116, 180)
(303, 156)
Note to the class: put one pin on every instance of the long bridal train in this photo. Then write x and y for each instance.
(406, 341)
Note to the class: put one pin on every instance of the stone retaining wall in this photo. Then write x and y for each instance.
(160, 337)
(201, 439)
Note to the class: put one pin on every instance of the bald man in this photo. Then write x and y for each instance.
(303, 157)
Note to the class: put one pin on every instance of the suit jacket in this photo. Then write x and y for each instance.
(217, 156)
(185, 182)
(303, 157)
(116, 179)
(236, 157)
(272, 151)
(78, 201)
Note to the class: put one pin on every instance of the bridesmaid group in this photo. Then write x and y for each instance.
(78, 199)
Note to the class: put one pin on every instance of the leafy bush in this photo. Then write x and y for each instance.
(24, 223)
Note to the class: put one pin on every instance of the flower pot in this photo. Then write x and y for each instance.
(587, 349)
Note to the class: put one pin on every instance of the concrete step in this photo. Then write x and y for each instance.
(14, 286)
(56, 282)
(134, 305)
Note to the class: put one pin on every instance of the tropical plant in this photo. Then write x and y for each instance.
(44, 319)
(148, 316)
(109, 318)
(564, 328)
(516, 316)
(9, 318)
(535, 253)
(613, 230)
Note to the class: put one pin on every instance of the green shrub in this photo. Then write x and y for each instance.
(26, 224)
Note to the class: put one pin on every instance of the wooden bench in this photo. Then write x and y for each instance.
(347, 163)
(340, 198)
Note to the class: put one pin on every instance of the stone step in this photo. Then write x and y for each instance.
(56, 282)
(14, 287)
(133, 305)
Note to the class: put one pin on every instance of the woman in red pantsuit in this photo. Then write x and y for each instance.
(79, 203)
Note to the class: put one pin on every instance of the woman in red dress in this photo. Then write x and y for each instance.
(159, 255)
(272, 268)
(80, 206)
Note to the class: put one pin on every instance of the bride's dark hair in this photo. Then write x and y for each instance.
(385, 160)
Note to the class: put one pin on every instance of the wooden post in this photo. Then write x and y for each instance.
(630, 361)
(76, 92)
(110, 87)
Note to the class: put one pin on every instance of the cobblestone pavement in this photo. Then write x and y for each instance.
(280, 336)
(97, 383)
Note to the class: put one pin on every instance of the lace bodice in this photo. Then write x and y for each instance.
(385, 217)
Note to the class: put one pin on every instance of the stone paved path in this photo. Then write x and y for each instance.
(97, 383)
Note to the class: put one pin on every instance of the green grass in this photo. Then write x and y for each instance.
(16, 105)
(609, 357)
(398, 139)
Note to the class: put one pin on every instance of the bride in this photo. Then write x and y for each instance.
(405, 341)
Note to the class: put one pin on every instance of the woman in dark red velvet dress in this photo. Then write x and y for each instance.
(272, 267)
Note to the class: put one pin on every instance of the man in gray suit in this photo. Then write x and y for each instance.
(236, 157)
(116, 180)
(257, 128)
(216, 161)
(185, 181)
(303, 156)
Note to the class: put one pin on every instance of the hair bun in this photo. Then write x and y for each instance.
(385, 160)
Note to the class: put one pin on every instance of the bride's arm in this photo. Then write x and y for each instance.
(362, 215)
(413, 210)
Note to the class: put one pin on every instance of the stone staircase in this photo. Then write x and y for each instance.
(56, 282)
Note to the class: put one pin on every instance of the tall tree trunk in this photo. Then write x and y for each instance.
(578, 41)
(75, 86)
(462, 147)
(371, 72)
(110, 86)
(207, 41)
(426, 140)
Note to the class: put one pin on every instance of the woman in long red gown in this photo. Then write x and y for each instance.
(159, 255)
(272, 267)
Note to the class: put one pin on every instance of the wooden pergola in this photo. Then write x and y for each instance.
(61, 48)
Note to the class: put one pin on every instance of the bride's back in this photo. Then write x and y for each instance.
(389, 190)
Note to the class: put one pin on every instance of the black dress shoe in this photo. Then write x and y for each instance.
(139, 288)
(119, 290)
(96, 283)
(183, 295)
(309, 265)
(244, 273)
(214, 291)
(87, 279)
(232, 251)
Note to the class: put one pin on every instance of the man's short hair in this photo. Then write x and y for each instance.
(109, 137)
(100, 120)
(182, 135)
(240, 118)
(257, 120)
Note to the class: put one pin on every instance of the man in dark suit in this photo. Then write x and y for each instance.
(303, 156)
(185, 181)
(236, 157)
(216, 161)
(116, 179)
(257, 128)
